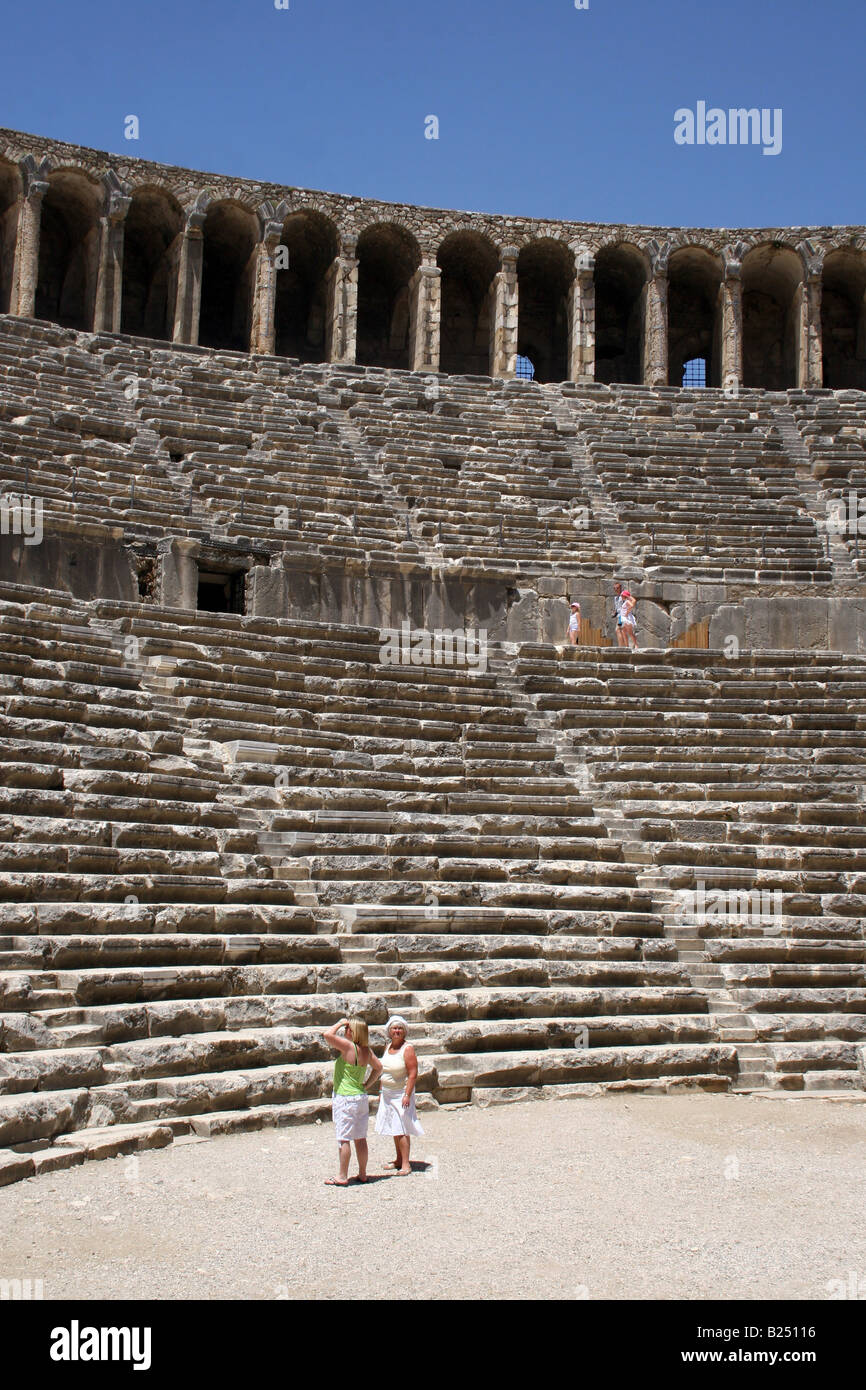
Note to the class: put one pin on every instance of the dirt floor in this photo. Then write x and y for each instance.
(627, 1197)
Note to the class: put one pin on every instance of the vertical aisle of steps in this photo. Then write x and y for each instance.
(731, 1025)
(604, 511)
(257, 809)
(192, 516)
(412, 547)
(158, 679)
(814, 496)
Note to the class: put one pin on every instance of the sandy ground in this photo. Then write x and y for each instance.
(684, 1197)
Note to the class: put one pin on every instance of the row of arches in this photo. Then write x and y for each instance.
(388, 257)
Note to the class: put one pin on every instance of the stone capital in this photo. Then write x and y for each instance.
(812, 257)
(196, 214)
(36, 190)
(659, 254)
(118, 198)
(34, 177)
(118, 206)
(733, 260)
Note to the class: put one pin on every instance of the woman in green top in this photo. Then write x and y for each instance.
(350, 1104)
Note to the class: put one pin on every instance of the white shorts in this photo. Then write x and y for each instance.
(351, 1117)
(391, 1118)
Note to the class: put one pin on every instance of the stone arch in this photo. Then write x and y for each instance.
(620, 284)
(843, 319)
(469, 262)
(695, 277)
(301, 297)
(772, 289)
(230, 236)
(388, 256)
(153, 234)
(545, 273)
(10, 197)
(69, 249)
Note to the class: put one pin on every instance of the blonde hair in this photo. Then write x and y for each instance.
(359, 1031)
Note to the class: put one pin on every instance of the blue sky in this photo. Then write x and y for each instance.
(543, 109)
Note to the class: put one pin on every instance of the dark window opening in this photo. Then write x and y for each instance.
(146, 578)
(695, 372)
(221, 593)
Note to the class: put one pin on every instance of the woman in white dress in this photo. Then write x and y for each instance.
(629, 621)
(396, 1115)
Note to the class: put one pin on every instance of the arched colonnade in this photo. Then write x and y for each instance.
(91, 252)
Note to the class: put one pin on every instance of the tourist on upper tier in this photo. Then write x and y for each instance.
(629, 622)
(396, 1115)
(351, 1105)
(574, 625)
(617, 603)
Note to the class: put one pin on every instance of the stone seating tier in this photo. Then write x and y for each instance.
(348, 464)
(214, 846)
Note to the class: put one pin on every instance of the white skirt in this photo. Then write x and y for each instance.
(351, 1117)
(391, 1118)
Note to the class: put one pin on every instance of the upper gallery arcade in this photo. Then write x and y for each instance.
(104, 243)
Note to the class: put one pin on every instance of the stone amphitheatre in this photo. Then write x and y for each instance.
(247, 429)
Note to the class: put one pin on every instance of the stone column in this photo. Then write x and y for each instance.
(732, 320)
(263, 327)
(810, 354)
(581, 319)
(425, 317)
(109, 280)
(341, 287)
(25, 272)
(188, 304)
(504, 312)
(178, 572)
(655, 322)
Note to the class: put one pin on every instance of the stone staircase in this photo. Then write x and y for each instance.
(658, 871)
(219, 833)
(397, 505)
(616, 538)
(815, 497)
(446, 866)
